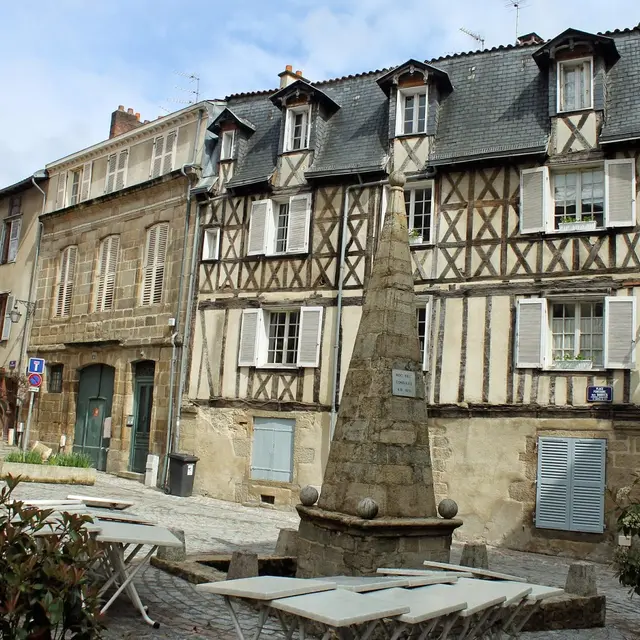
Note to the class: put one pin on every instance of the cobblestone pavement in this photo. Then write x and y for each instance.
(214, 525)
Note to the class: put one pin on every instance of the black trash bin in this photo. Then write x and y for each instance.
(182, 471)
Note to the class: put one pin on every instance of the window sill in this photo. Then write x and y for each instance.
(278, 255)
(226, 160)
(420, 245)
(288, 152)
(569, 112)
(209, 260)
(419, 134)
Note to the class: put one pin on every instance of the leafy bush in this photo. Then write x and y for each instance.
(627, 559)
(71, 460)
(46, 590)
(27, 457)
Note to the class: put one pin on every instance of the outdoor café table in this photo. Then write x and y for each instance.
(116, 537)
(427, 610)
(438, 577)
(262, 591)
(107, 503)
(483, 573)
(363, 584)
(352, 615)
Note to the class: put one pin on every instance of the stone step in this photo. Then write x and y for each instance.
(130, 475)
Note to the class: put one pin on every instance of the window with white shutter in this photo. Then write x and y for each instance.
(423, 317)
(76, 180)
(156, 157)
(154, 264)
(260, 214)
(571, 484)
(85, 190)
(210, 243)
(534, 196)
(310, 333)
(299, 219)
(64, 286)
(106, 273)
(10, 240)
(6, 305)
(620, 189)
(272, 452)
(61, 190)
(110, 182)
(169, 152)
(121, 169)
(227, 144)
(249, 332)
(297, 128)
(620, 332)
(531, 328)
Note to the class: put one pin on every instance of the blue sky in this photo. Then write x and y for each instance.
(65, 65)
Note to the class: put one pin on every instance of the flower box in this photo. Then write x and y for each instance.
(415, 239)
(587, 225)
(47, 473)
(573, 365)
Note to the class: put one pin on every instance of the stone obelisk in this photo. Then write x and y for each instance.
(380, 448)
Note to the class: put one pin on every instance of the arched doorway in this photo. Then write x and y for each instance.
(95, 396)
(143, 374)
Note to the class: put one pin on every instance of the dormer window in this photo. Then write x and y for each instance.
(575, 83)
(227, 150)
(297, 128)
(412, 111)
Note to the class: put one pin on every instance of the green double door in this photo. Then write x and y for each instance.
(95, 397)
(143, 375)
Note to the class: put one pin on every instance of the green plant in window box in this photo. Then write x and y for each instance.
(568, 219)
(415, 237)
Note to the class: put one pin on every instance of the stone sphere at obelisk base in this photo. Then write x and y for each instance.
(380, 448)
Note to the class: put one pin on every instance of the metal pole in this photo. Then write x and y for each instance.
(25, 436)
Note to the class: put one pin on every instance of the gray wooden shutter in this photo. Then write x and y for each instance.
(102, 270)
(121, 171)
(299, 219)
(272, 451)
(111, 173)
(620, 332)
(65, 285)
(85, 190)
(620, 189)
(534, 199)
(154, 264)
(156, 157)
(552, 491)
(531, 330)
(149, 261)
(249, 331)
(167, 161)
(587, 485)
(260, 212)
(14, 239)
(60, 193)
(310, 332)
(6, 321)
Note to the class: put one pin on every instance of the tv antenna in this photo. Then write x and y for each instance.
(194, 91)
(475, 36)
(517, 5)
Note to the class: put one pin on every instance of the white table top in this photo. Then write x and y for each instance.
(339, 608)
(425, 573)
(266, 587)
(423, 605)
(109, 503)
(476, 572)
(477, 600)
(360, 584)
(118, 516)
(538, 591)
(50, 503)
(512, 591)
(129, 533)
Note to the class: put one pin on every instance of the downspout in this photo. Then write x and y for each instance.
(336, 339)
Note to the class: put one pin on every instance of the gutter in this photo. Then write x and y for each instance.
(634, 138)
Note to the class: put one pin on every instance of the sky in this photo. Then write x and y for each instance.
(65, 65)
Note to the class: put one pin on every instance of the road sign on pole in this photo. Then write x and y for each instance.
(35, 380)
(36, 365)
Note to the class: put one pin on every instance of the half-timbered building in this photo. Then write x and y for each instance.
(521, 195)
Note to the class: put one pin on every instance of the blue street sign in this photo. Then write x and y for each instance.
(599, 394)
(36, 365)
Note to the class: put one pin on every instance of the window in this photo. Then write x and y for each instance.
(10, 239)
(423, 314)
(228, 145)
(411, 116)
(576, 334)
(154, 263)
(272, 454)
(211, 244)
(15, 205)
(116, 171)
(582, 199)
(106, 273)
(280, 227)
(54, 378)
(418, 205)
(6, 305)
(162, 155)
(280, 337)
(298, 125)
(571, 484)
(76, 179)
(64, 286)
(575, 80)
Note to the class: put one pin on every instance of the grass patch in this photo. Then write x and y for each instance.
(80, 460)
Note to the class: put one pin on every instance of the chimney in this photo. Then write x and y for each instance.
(287, 77)
(529, 38)
(123, 121)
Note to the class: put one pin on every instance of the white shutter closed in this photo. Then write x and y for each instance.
(111, 173)
(553, 484)
(260, 211)
(248, 351)
(107, 266)
(62, 187)
(14, 239)
(154, 264)
(85, 190)
(310, 331)
(167, 161)
(620, 332)
(299, 220)
(121, 171)
(426, 336)
(6, 321)
(531, 327)
(620, 189)
(588, 485)
(534, 199)
(64, 293)
(156, 157)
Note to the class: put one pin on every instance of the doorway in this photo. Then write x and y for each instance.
(95, 396)
(143, 374)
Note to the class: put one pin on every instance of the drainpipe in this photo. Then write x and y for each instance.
(336, 340)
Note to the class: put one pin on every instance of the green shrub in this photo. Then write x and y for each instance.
(47, 590)
(627, 559)
(27, 457)
(71, 460)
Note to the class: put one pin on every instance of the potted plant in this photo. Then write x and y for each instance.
(415, 237)
(573, 363)
(571, 223)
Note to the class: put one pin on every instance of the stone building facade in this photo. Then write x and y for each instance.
(522, 205)
(112, 282)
